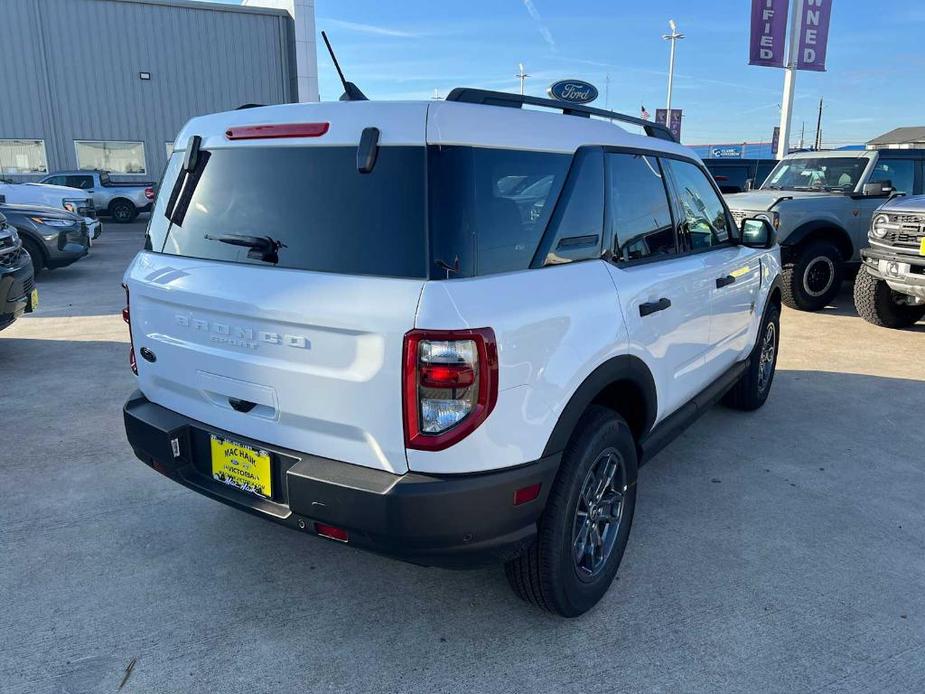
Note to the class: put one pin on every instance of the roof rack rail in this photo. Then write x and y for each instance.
(469, 95)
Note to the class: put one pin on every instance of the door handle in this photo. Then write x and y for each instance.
(654, 306)
(724, 281)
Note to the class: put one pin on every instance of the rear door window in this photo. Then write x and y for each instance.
(312, 201)
(640, 213)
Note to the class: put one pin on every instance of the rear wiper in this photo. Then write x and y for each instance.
(261, 247)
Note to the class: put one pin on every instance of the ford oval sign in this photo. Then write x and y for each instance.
(574, 91)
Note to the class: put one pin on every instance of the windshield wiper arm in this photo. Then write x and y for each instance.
(262, 247)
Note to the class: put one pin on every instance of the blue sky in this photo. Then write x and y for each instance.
(406, 49)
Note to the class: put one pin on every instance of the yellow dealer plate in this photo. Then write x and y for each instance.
(241, 466)
(34, 300)
(922, 247)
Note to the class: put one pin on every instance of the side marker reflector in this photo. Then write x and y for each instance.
(525, 494)
(332, 533)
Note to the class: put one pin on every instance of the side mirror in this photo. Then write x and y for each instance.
(878, 189)
(749, 183)
(757, 232)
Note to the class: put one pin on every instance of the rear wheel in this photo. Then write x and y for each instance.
(586, 524)
(35, 253)
(878, 304)
(814, 278)
(123, 211)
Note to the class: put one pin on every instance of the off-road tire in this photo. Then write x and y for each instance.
(753, 387)
(123, 211)
(876, 303)
(546, 574)
(35, 253)
(798, 290)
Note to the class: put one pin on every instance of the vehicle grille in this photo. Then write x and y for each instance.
(904, 231)
(27, 286)
(87, 212)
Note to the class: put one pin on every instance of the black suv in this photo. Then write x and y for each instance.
(17, 290)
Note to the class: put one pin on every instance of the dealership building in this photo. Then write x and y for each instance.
(109, 83)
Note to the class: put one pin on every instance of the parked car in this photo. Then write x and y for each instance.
(121, 201)
(890, 288)
(822, 204)
(54, 196)
(53, 238)
(739, 175)
(17, 287)
(369, 331)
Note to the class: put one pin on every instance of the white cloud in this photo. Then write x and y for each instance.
(368, 28)
(540, 24)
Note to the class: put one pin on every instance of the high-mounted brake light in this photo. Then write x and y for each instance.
(278, 130)
(450, 382)
(127, 317)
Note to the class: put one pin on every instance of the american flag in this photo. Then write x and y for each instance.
(645, 114)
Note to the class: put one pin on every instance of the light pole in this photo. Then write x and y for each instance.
(790, 79)
(674, 37)
(522, 76)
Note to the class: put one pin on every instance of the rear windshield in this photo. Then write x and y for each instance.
(438, 212)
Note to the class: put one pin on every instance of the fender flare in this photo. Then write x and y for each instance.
(624, 367)
(804, 230)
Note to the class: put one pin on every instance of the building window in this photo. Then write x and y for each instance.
(117, 157)
(169, 147)
(23, 157)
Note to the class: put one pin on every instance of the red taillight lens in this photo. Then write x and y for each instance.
(331, 532)
(277, 130)
(127, 317)
(149, 193)
(450, 385)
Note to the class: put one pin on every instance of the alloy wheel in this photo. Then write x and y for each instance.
(766, 357)
(598, 514)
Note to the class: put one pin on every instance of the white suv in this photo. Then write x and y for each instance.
(444, 331)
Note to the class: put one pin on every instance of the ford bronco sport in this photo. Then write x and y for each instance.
(444, 331)
(890, 288)
(822, 204)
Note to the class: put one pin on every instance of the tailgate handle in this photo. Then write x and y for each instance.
(241, 405)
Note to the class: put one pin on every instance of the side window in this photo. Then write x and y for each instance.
(899, 172)
(703, 218)
(82, 182)
(55, 181)
(579, 219)
(640, 215)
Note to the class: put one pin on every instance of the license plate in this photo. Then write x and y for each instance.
(34, 300)
(241, 466)
(922, 247)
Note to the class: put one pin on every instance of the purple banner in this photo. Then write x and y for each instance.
(769, 31)
(775, 141)
(675, 122)
(814, 35)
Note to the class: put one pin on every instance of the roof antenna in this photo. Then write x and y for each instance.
(351, 91)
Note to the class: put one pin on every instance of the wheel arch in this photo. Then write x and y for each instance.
(820, 230)
(29, 236)
(115, 201)
(623, 384)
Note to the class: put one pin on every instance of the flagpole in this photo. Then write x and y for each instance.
(790, 78)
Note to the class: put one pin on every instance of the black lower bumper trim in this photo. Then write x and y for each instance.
(456, 521)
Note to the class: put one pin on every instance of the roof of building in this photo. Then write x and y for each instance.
(900, 136)
(208, 5)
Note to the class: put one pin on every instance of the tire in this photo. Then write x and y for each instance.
(878, 304)
(35, 253)
(123, 211)
(752, 389)
(548, 574)
(815, 278)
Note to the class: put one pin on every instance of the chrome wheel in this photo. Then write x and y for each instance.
(599, 513)
(766, 357)
(819, 276)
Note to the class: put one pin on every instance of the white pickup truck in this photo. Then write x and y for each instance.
(121, 201)
(57, 197)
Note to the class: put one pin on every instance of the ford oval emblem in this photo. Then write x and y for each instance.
(574, 91)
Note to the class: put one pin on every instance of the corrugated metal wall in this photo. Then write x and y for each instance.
(70, 69)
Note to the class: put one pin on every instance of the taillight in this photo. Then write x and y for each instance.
(149, 193)
(450, 385)
(127, 317)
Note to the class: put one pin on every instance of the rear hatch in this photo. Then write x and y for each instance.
(294, 340)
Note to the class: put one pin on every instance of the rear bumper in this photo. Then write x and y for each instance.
(456, 521)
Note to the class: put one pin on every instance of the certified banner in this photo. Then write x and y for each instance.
(769, 31)
(673, 123)
(814, 34)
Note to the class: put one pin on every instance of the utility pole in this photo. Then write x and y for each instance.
(790, 78)
(674, 37)
(522, 76)
(607, 92)
(803, 136)
(819, 128)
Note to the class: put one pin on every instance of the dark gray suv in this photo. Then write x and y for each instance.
(52, 238)
(17, 289)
